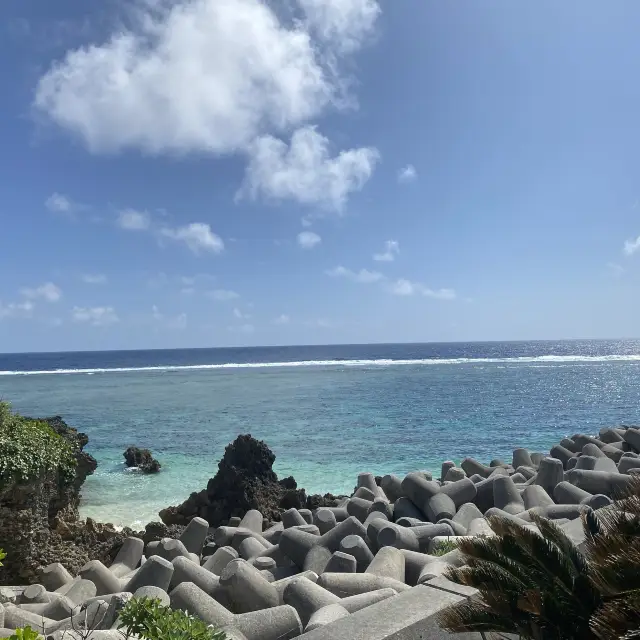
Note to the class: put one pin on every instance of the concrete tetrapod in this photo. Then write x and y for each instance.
(186, 571)
(247, 588)
(599, 481)
(307, 597)
(220, 559)
(351, 584)
(412, 538)
(324, 519)
(325, 616)
(54, 576)
(550, 473)
(355, 546)
(105, 580)
(194, 535)
(506, 495)
(341, 562)
(155, 572)
(388, 563)
(128, 557)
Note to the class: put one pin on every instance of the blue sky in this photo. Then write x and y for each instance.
(182, 173)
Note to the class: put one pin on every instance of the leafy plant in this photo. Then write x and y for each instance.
(444, 546)
(151, 620)
(24, 634)
(541, 586)
(29, 448)
(3, 555)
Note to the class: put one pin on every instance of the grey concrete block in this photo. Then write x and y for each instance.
(404, 508)
(363, 600)
(220, 559)
(282, 583)
(351, 584)
(356, 546)
(247, 589)
(561, 453)
(251, 548)
(392, 487)
(252, 520)
(454, 474)
(506, 495)
(359, 508)
(278, 623)
(441, 506)
(341, 562)
(381, 506)
(34, 594)
(567, 493)
(456, 529)
(273, 533)
(82, 590)
(521, 457)
(570, 445)
(443, 584)
(587, 463)
(599, 481)
(609, 435)
(291, 518)
(190, 598)
(128, 557)
(194, 535)
(364, 493)
(54, 576)
(307, 514)
(170, 549)
(186, 571)
(105, 580)
(388, 563)
(471, 467)
(444, 469)
(153, 593)
(307, 597)
(317, 559)
(627, 463)
(326, 615)
(407, 616)
(632, 437)
(535, 496)
(420, 491)
(479, 527)
(550, 473)
(155, 572)
(234, 521)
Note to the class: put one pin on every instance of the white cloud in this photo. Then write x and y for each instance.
(240, 315)
(407, 174)
(403, 287)
(615, 268)
(59, 203)
(16, 309)
(364, 276)
(631, 246)
(342, 23)
(391, 250)
(306, 222)
(178, 322)
(305, 171)
(199, 75)
(308, 239)
(282, 319)
(47, 291)
(94, 278)
(96, 316)
(222, 295)
(197, 236)
(133, 220)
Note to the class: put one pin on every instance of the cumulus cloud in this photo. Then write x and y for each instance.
(403, 287)
(305, 170)
(59, 203)
(204, 75)
(282, 319)
(363, 276)
(133, 220)
(308, 239)
(391, 250)
(47, 291)
(407, 174)
(345, 24)
(631, 246)
(94, 278)
(16, 309)
(95, 316)
(222, 295)
(240, 315)
(197, 236)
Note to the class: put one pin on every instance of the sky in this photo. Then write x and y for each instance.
(202, 173)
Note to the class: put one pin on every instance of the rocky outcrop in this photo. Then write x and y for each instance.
(245, 480)
(39, 520)
(142, 459)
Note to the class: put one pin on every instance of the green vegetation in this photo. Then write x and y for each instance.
(150, 620)
(444, 546)
(3, 555)
(29, 448)
(544, 587)
(24, 634)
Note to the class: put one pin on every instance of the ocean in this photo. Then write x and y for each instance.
(327, 412)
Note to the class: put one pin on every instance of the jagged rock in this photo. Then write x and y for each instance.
(158, 530)
(39, 520)
(142, 459)
(245, 480)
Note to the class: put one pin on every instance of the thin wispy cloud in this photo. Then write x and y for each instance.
(223, 295)
(134, 220)
(308, 239)
(364, 276)
(282, 319)
(47, 291)
(16, 309)
(631, 246)
(407, 174)
(391, 250)
(197, 236)
(95, 316)
(94, 278)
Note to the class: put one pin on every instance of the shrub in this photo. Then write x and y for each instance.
(29, 448)
(150, 620)
(444, 546)
(3, 555)
(24, 634)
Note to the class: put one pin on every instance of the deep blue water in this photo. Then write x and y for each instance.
(328, 412)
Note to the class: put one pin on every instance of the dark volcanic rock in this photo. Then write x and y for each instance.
(39, 520)
(245, 480)
(142, 459)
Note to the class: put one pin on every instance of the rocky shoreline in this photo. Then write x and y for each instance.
(264, 561)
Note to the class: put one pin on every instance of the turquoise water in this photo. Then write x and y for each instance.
(325, 422)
